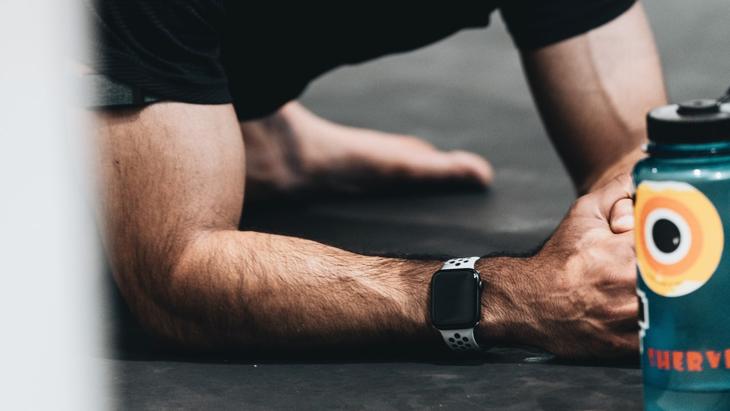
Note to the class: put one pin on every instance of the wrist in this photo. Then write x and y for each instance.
(505, 314)
(621, 166)
(414, 279)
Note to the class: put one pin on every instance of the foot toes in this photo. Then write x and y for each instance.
(472, 166)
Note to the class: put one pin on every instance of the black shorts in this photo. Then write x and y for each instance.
(259, 58)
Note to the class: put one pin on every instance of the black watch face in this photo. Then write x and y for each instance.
(455, 299)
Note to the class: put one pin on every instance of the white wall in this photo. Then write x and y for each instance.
(48, 337)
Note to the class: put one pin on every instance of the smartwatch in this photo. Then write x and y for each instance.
(456, 303)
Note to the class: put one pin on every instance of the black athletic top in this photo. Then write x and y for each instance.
(259, 57)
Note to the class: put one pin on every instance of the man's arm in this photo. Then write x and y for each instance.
(172, 189)
(593, 92)
(171, 185)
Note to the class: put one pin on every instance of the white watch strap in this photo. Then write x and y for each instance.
(460, 340)
(457, 263)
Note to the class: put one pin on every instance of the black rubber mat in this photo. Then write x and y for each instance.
(466, 92)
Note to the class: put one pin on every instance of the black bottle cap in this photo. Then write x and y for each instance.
(694, 121)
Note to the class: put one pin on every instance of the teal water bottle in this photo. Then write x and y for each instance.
(682, 214)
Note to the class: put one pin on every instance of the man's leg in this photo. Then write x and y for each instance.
(293, 150)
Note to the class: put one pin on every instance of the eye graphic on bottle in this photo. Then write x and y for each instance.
(667, 235)
(679, 237)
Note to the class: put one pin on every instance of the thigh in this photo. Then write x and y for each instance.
(165, 173)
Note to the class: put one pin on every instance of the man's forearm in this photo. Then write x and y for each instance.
(253, 290)
(593, 92)
(248, 289)
(170, 208)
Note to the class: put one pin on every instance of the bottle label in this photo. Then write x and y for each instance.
(683, 284)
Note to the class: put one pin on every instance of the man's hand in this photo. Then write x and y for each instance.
(576, 298)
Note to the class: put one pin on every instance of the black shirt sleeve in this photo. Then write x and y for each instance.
(537, 23)
(168, 49)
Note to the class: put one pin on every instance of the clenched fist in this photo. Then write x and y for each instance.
(577, 296)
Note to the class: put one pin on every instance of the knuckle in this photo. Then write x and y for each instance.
(624, 181)
(608, 312)
(581, 204)
(616, 344)
(623, 178)
(621, 313)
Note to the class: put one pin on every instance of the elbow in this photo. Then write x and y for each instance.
(163, 310)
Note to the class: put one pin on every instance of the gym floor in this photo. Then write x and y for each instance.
(465, 92)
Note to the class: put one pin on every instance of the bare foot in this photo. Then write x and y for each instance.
(295, 151)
